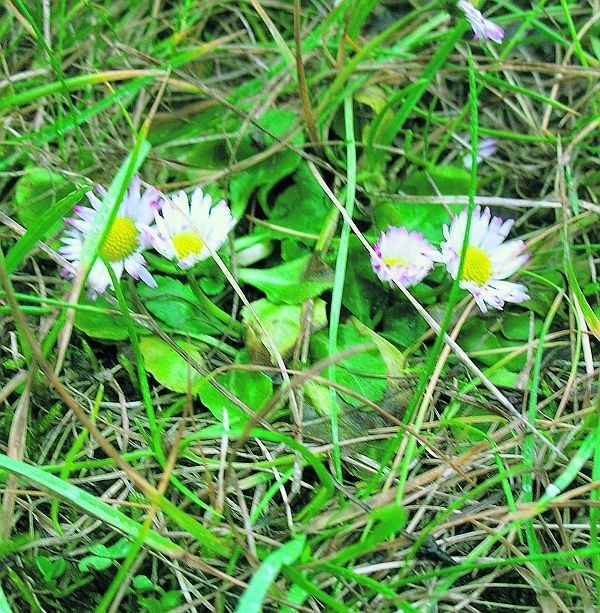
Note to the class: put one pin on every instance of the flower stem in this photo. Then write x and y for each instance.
(212, 309)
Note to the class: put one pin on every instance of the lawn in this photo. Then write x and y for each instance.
(299, 306)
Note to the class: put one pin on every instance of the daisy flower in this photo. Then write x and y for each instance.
(488, 259)
(124, 241)
(483, 28)
(404, 258)
(187, 228)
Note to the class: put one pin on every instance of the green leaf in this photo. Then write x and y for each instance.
(515, 326)
(168, 367)
(141, 583)
(363, 373)
(36, 194)
(169, 601)
(402, 325)
(254, 595)
(303, 206)
(251, 387)
(118, 550)
(94, 562)
(51, 569)
(292, 282)
(481, 342)
(591, 319)
(100, 324)
(389, 521)
(504, 378)
(105, 323)
(282, 323)
(174, 303)
(265, 174)
(363, 291)
(395, 362)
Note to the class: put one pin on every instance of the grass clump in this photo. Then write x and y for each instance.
(306, 396)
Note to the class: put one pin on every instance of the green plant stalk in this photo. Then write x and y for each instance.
(456, 572)
(31, 310)
(529, 441)
(264, 576)
(4, 604)
(297, 578)
(141, 370)
(74, 83)
(457, 423)
(503, 85)
(505, 51)
(339, 279)
(61, 303)
(38, 231)
(187, 522)
(320, 498)
(569, 474)
(107, 213)
(452, 301)
(573, 32)
(212, 309)
(155, 432)
(96, 507)
(24, 590)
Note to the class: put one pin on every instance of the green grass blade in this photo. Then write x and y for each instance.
(88, 503)
(254, 595)
(38, 232)
(339, 278)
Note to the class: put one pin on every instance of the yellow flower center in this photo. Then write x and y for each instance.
(477, 267)
(187, 243)
(394, 261)
(122, 240)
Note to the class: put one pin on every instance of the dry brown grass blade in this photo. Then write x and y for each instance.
(16, 449)
(302, 84)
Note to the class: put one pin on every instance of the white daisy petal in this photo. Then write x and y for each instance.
(94, 200)
(488, 260)
(133, 196)
(99, 279)
(185, 228)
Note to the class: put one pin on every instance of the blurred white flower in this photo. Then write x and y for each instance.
(488, 260)
(404, 258)
(124, 241)
(186, 228)
(482, 27)
(485, 148)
